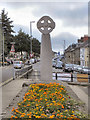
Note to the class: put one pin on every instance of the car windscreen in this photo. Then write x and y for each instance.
(17, 62)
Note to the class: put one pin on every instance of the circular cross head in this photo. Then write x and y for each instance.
(45, 25)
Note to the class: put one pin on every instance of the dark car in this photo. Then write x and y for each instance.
(59, 65)
(68, 68)
(85, 70)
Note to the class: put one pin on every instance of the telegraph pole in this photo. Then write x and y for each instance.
(12, 43)
(64, 51)
(64, 45)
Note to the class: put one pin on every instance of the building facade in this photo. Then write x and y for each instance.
(78, 53)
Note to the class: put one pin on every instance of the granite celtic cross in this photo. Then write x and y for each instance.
(45, 26)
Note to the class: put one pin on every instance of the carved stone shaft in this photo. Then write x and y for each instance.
(46, 58)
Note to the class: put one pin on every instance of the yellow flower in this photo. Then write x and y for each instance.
(52, 116)
(50, 103)
(22, 115)
(28, 104)
(72, 111)
(57, 114)
(58, 110)
(13, 109)
(66, 110)
(16, 117)
(30, 116)
(41, 109)
(38, 116)
(63, 99)
(62, 106)
(61, 115)
(12, 116)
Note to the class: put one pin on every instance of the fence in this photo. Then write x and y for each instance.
(71, 77)
(23, 71)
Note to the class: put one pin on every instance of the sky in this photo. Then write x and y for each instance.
(71, 19)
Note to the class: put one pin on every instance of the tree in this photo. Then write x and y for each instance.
(7, 29)
(22, 42)
(36, 46)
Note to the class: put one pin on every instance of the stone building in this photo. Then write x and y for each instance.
(72, 54)
(84, 54)
(78, 53)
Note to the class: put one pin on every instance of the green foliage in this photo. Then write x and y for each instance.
(35, 46)
(23, 42)
(7, 29)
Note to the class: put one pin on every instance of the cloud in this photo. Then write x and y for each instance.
(58, 41)
(70, 18)
(17, 27)
(35, 33)
(70, 13)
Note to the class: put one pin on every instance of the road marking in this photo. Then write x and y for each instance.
(7, 81)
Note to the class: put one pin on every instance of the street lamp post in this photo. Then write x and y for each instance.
(31, 34)
(12, 43)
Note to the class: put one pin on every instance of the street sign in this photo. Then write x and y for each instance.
(31, 55)
(12, 48)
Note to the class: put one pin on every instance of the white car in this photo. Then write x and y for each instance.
(18, 64)
(59, 65)
(53, 63)
(32, 61)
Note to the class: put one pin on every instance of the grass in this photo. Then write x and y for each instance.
(47, 101)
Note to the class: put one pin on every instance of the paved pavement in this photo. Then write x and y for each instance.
(80, 93)
(9, 91)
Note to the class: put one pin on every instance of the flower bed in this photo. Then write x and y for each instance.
(47, 101)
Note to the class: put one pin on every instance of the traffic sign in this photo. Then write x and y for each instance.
(12, 49)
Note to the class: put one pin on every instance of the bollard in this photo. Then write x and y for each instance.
(88, 78)
(13, 73)
(27, 75)
(71, 77)
(56, 76)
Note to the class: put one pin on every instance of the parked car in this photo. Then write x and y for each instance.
(27, 62)
(85, 70)
(53, 63)
(79, 68)
(32, 61)
(68, 68)
(4, 63)
(59, 65)
(8, 61)
(18, 64)
(75, 66)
